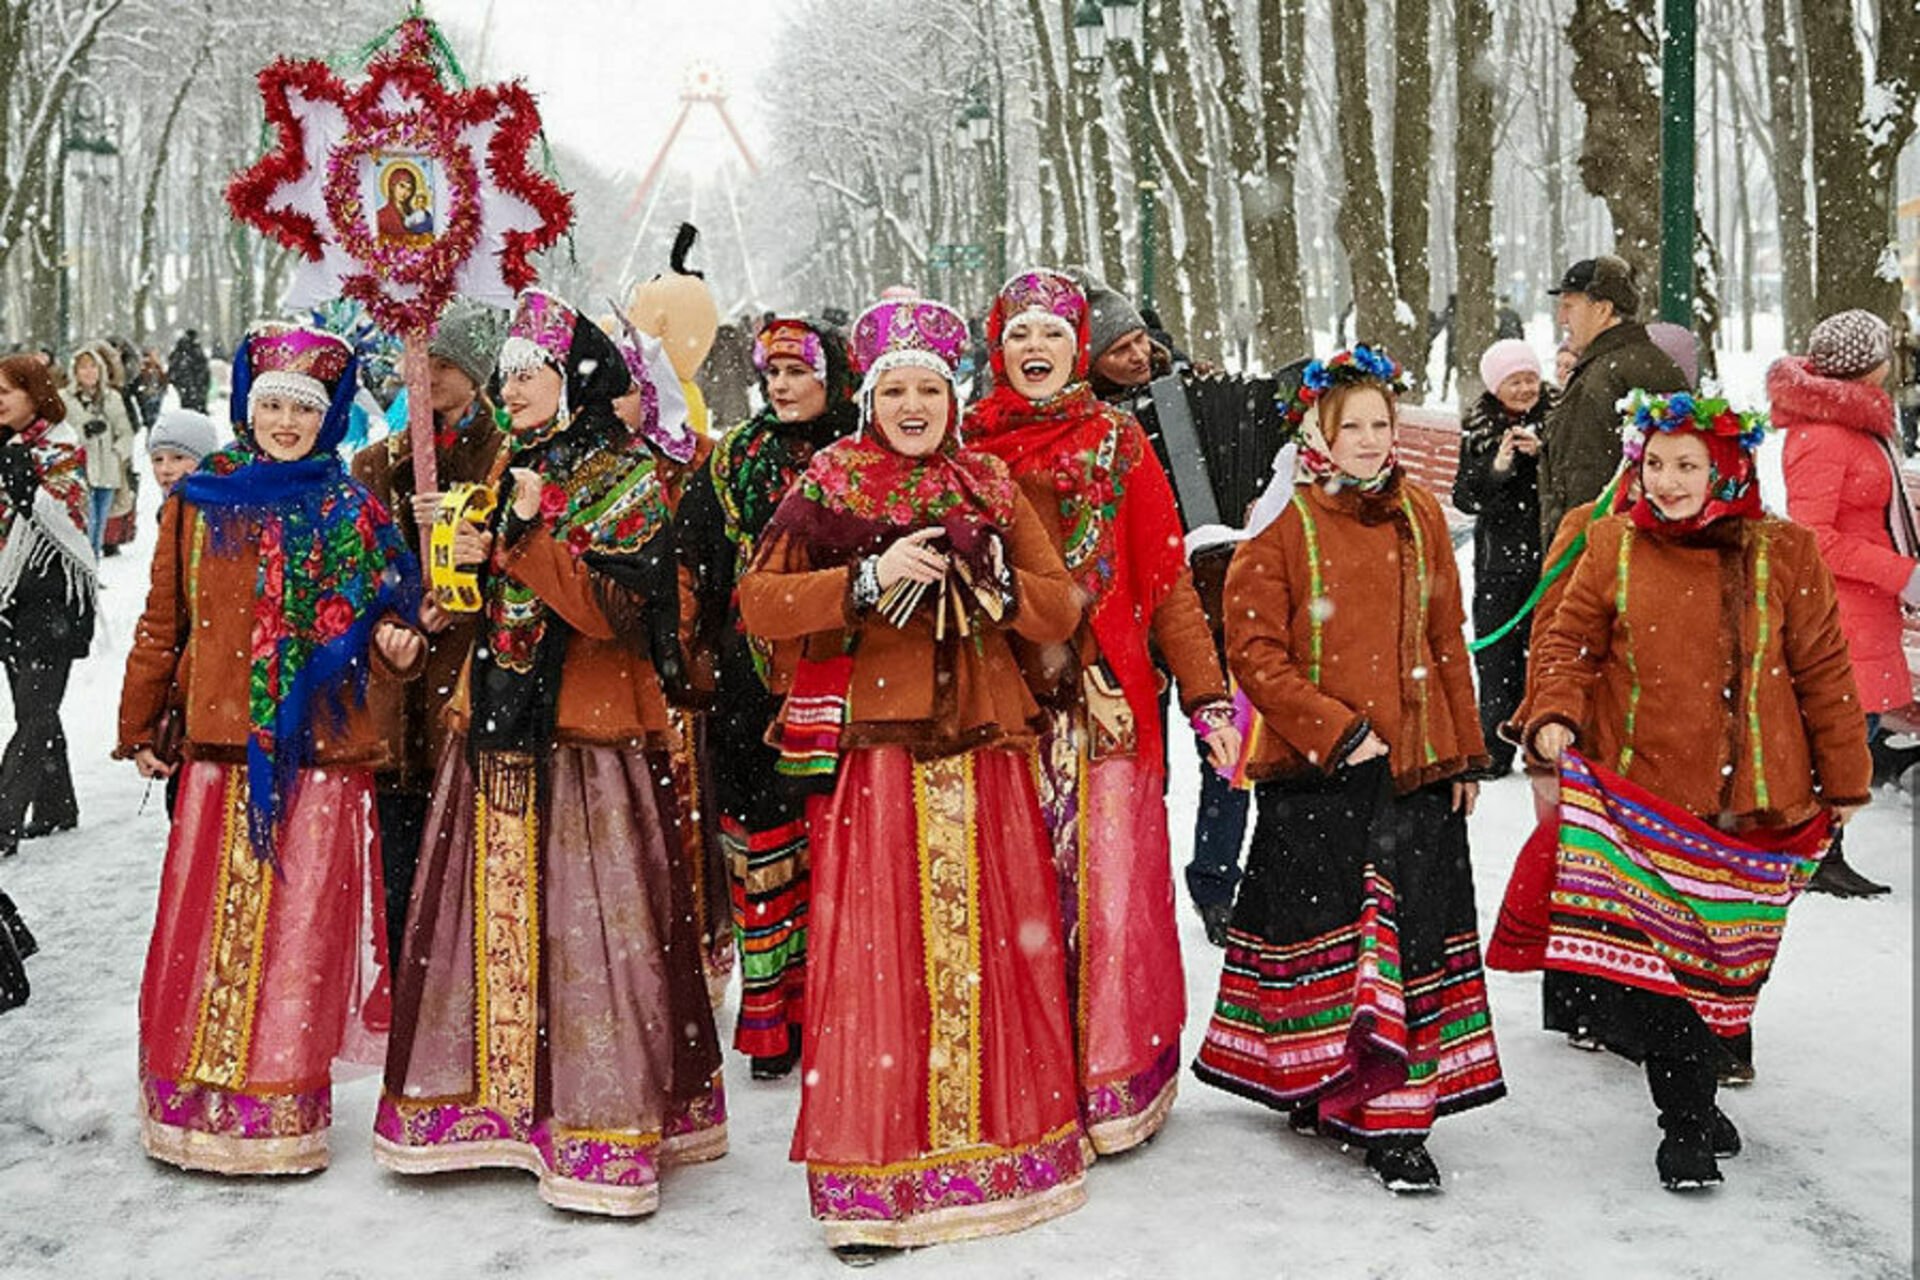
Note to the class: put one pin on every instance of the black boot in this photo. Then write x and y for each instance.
(1722, 1134)
(1404, 1168)
(1837, 877)
(779, 1065)
(1683, 1091)
(862, 1255)
(1890, 763)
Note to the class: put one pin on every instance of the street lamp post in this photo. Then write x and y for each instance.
(976, 126)
(1116, 25)
(87, 129)
(1676, 164)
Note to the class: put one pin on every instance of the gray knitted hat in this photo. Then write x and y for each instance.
(1110, 317)
(469, 337)
(184, 431)
(1849, 343)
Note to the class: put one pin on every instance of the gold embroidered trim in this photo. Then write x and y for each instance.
(223, 1032)
(950, 930)
(506, 939)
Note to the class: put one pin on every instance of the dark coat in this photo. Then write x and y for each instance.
(1583, 431)
(1506, 533)
(187, 371)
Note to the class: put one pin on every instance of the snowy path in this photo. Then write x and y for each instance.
(1555, 1181)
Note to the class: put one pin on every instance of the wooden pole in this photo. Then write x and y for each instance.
(426, 478)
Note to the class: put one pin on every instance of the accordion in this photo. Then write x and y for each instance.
(1216, 435)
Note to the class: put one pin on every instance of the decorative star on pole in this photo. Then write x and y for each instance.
(399, 191)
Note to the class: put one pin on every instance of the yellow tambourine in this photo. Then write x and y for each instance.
(457, 587)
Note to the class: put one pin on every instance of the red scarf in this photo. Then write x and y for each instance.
(857, 496)
(1119, 527)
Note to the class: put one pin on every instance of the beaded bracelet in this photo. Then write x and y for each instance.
(1212, 718)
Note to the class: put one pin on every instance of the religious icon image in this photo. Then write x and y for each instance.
(405, 200)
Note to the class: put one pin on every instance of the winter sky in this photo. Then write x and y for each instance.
(609, 72)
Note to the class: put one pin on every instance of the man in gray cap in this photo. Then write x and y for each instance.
(1125, 356)
(1612, 355)
(460, 358)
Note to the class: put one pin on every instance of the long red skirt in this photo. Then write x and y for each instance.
(256, 981)
(938, 1054)
(1107, 820)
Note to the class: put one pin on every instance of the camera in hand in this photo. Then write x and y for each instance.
(96, 426)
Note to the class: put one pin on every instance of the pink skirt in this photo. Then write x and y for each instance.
(257, 981)
(1107, 820)
(551, 1014)
(937, 1054)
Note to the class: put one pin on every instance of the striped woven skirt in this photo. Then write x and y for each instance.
(1353, 979)
(1645, 895)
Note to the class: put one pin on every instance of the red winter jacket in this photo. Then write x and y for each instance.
(1840, 480)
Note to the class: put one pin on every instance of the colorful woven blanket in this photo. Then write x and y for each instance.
(1647, 895)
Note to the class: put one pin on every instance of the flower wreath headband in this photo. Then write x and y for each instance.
(1359, 363)
(1643, 413)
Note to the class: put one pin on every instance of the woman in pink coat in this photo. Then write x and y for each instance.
(1843, 480)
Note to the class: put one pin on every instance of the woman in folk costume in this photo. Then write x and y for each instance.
(47, 590)
(763, 829)
(937, 1050)
(655, 411)
(550, 1014)
(1090, 471)
(1697, 662)
(1353, 996)
(279, 588)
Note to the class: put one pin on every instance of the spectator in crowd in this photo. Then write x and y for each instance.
(46, 595)
(187, 370)
(106, 435)
(1498, 482)
(1613, 355)
(1842, 469)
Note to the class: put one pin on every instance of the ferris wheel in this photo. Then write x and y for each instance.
(703, 86)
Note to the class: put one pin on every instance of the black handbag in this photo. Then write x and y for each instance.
(16, 944)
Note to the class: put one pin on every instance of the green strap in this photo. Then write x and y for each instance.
(1633, 666)
(1420, 630)
(1316, 587)
(1762, 580)
(1601, 507)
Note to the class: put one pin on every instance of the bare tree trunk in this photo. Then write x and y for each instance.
(1473, 316)
(1555, 148)
(1856, 147)
(1785, 76)
(1412, 167)
(1616, 58)
(1090, 132)
(1055, 149)
(43, 144)
(146, 266)
(1261, 195)
(1190, 281)
(1707, 309)
(13, 48)
(1381, 316)
(1282, 329)
(45, 230)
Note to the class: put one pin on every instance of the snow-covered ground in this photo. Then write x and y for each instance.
(1557, 1180)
